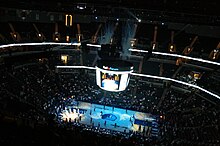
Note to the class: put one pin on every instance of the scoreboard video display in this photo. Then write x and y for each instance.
(113, 75)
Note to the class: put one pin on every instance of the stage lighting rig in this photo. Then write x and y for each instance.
(81, 6)
(109, 51)
(214, 54)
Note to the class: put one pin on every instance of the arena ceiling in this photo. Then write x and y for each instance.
(187, 6)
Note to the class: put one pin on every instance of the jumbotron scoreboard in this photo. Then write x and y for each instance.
(113, 75)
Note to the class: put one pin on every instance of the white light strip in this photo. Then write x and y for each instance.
(151, 76)
(85, 67)
(177, 81)
(176, 55)
(39, 44)
(93, 45)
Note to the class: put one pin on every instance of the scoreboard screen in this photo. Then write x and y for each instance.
(113, 77)
(110, 80)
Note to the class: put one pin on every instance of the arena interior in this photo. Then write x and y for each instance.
(48, 56)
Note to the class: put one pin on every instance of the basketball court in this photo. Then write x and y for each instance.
(112, 118)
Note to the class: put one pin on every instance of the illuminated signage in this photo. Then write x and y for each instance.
(109, 68)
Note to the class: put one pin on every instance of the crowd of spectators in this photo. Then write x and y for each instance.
(32, 92)
(42, 91)
(195, 122)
